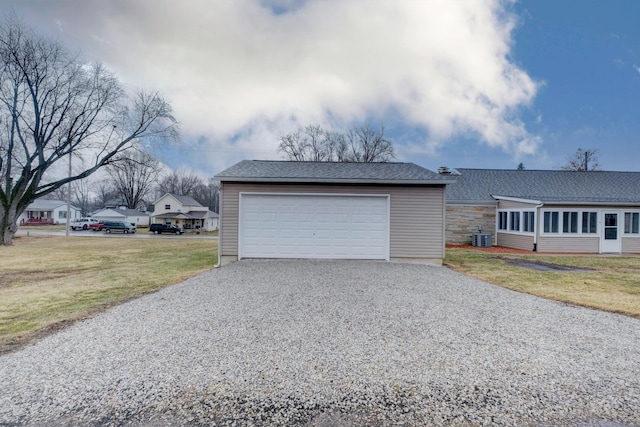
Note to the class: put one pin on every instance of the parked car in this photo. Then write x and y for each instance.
(96, 226)
(124, 227)
(83, 223)
(165, 228)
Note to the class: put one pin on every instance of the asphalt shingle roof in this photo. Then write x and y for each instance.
(186, 200)
(331, 172)
(131, 212)
(545, 185)
(46, 205)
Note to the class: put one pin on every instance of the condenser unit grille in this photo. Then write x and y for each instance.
(481, 240)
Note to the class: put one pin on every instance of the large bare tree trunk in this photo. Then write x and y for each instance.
(54, 105)
(8, 225)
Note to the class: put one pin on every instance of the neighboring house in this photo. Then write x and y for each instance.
(185, 212)
(281, 209)
(44, 211)
(115, 204)
(133, 216)
(546, 210)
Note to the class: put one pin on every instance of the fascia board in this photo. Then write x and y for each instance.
(336, 181)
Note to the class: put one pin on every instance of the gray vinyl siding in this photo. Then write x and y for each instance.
(508, 204)
(631, 244)
(517, 241)
(416, 214)
(582, 244)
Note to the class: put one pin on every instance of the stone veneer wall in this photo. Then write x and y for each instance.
(463, 221)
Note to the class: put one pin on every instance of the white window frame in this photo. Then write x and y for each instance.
(508, 223)
(542, 220)
(624, 224)
(582, 224)
(533, 221)
(567, 226)
(502, 224)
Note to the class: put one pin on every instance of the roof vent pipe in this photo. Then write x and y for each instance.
(443, 170)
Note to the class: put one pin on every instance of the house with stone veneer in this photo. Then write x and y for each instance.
(546, 210)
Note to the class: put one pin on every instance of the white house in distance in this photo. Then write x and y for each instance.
(47, 212)
(185, 212)
(133, 216)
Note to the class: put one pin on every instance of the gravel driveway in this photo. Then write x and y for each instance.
(331, 343)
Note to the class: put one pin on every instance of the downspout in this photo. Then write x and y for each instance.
(536, 228)
(220, 225)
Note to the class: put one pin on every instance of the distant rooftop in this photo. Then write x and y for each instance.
(331, 172)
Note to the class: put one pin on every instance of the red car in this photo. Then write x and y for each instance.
(96, 226)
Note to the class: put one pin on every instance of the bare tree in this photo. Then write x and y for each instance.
(368, 145)
(133, 175)
(81, 194)
(360, 144)
(180, 182)
(583, 160)
(59, 194)
(212, 197)
(310, 144)
(105, 192)
(53, 105)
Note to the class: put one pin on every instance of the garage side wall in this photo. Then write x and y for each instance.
(417, 215)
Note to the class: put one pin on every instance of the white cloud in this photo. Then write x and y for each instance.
(249, 71)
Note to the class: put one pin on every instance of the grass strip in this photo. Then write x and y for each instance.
(611, 283)
(49, 282)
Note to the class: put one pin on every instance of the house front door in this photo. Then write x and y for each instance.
(610, 233)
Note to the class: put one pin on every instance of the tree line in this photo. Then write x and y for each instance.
(136, 181)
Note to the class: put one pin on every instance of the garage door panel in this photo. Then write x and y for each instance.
(314, 226)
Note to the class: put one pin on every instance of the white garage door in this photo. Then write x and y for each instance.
(313, 226)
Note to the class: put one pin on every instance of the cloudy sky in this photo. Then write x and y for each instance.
(457, 83)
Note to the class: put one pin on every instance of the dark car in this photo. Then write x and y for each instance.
(165, 228)
(124, 227)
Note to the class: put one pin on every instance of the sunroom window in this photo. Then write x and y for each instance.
(569, 222)
(551, 221)
(502, 220)
(590, 222)
(515, 221)
(632, 222)
(528, 221)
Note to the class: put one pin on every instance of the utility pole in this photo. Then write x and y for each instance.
(69, 198)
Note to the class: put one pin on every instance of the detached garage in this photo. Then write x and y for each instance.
(281, 209)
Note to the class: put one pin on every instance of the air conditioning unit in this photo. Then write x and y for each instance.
(482, 240)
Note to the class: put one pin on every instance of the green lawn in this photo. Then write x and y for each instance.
(612, 283)
(48, 282)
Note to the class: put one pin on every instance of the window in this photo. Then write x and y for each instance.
(515, 221)
(502, 220)
(167, 207)
(528, 221)
(569, 222)
(551, 222)
(62, 214)
(589, 222)
(632, 223)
